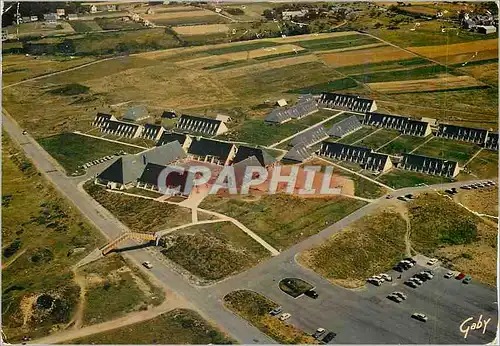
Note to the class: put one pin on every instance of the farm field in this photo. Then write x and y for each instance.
(173, 327)
(378, 138)
(338, 42)
(212, 251)
(397, 179)
(85, 25)
(282, 231)
(420, 85)
(359, 57)
(382, 66)
(458, 48)
(370, 245)
(108, 23)
(403, 144)
(173, 18)
(201, 29)
(72, 150)
(486, 73)
(448, 150)
(40, 28)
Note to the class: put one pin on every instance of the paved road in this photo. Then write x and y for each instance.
(209, 307)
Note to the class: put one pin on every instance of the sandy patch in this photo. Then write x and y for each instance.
(444, 83)
(366, 56)
(313, 36)
(26, 307)
(179, 14)
(457, 48)
(201, 29)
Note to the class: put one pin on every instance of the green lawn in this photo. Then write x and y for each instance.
(84, 25)
(213, 251)
(424, 72)
(179, 326)
(448, 150)
(381, 66)
(484, 165)
(73, 150)
(403, 144)
(331, 86)
(398, 179)
(337, 42)
(379, 138)
(266, 218)
(353, 137)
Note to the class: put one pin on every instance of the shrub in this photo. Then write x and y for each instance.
(71, 89)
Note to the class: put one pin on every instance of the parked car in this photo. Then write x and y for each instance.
(402, 198)
(147, 264)
(416, 280)
(400, 294)
(386, 277)
(421, 277)
(329, 337)
(398, 268)
(460, 276)
(465, 187)
(276, 311)
(374, 281)
(419, 316)
(491, 182)
(467, 279)
(432, 261)
(409, 259)
(409, 196)
(389, 196)
(311, 294)
(319, 333)
(407, 263)
(24, 132)
(285, 316)
(411, 284)
(395, 298)
(448, 275)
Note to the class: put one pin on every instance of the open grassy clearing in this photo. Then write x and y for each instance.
(484, 165)
(40, 233)
(112, 284)
(201, 29)
(179, 326)
(336, 42)
(251, 11)
(398, 179)
(257, 132)
(139, 214)
(107, 23)
(487, 73)
(255, 308)
(465, 57)
(265, 215)
(330, 86)
(424, 72)
(463, 241)
(403, 144)
(191, 20)
(422, 85)
(448, 150)
(229, 49)
(382, 66)
(72, 150)
(378, 139)
(458, 48)
(484, 201)
(212, 251)
(367, 247)
(373, 55)
(16, 67)
(84, 25)
(355, 136)
(40, 28)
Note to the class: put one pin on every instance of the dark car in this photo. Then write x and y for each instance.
(276, 311)
(398, 268)
(329, 337)
(409, 196)
(460, 276)
(410, 259)
(421, 277)
(311, 294)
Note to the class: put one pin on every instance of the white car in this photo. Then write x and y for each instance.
(407, 262)
(285, 316)
(374, 281)
(147, 264)
(386, 277)
(400, 294)
(379, 278)
(448, 275)
(416, 280)
(432, 261)
(419, 316)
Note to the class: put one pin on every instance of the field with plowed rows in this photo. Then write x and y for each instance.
(457, 48)
(359, 57)
(444, 83)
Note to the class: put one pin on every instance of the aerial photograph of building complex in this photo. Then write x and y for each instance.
(243, 172)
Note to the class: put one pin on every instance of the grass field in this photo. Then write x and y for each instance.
(398, 179)
(381, 66)
(369, 246)
(330, 86)
(85, 25)
(422, 85)
(213, 251)
(179, 326)
(484, 201)
(39, 232)
(112, 284)
(378, 139)
(255, 308)
(73, 150)
(337, 42)
(403, 144)
(424, 72)
(484, 165)
(107, 23)
(265, 215)
(448, 150)
(458, 48)
(371, 56)
(201, 29)
(355, 136)
(451, 235)
(139, 214)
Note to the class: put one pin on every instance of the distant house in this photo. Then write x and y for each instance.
(50, 18)
(462, 133)
(72, 16)
(200, 125)
(169, 115)
(345, 127)
(60, 12)
(429, 165)
(93, 9)
(486, 29)
(152, 132)
(491, 141)
(136, 113)
(26, 19)
(298, 154)
(365, 157)
(294, 14)
(34, 18)
(281, 103)
(346, 102)
(209, 150)
(310, 137)
(262, 156)
(167, 137)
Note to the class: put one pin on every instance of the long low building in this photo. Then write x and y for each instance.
(200, 125)
(310, 137)
(405, 125)
(346, 102)
(491, 141)
(303, 108)
(429, 165)
(345, 127)
(462, 133)
(365, 157)
(209, 150)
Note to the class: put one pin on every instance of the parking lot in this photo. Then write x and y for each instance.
(367, 316)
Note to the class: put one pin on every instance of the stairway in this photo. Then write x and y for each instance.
(125, 236)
